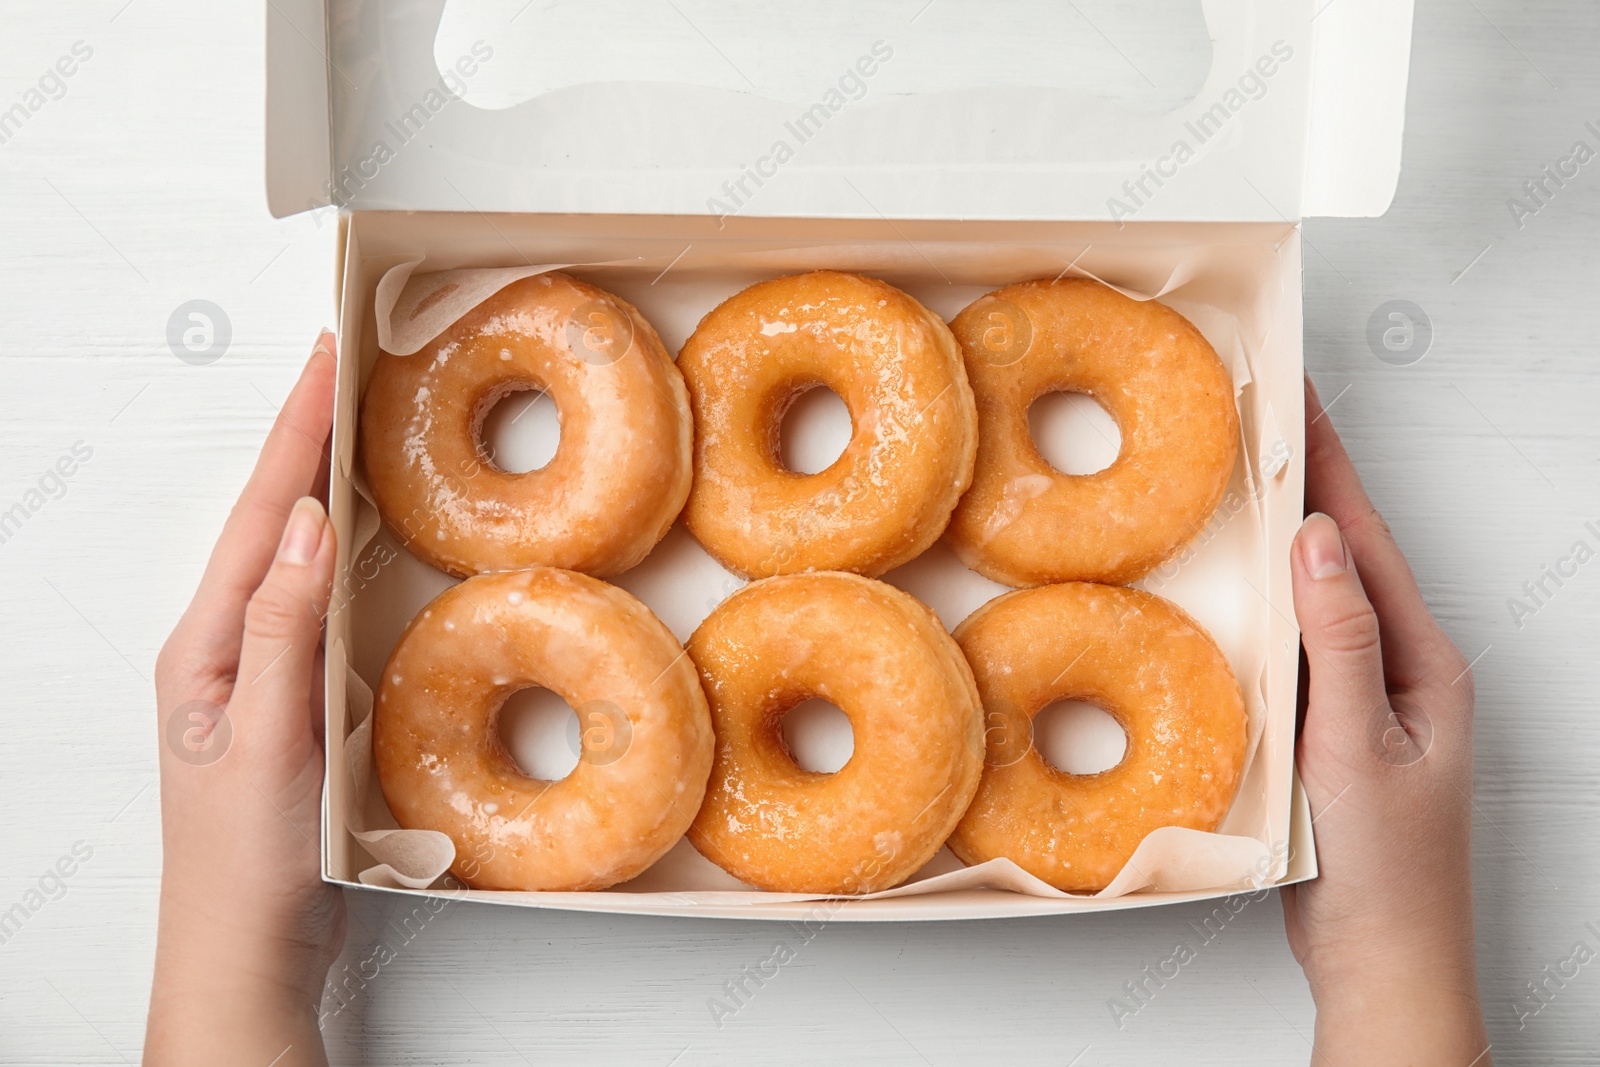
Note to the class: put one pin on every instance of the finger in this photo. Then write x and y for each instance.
(1345, 694)
(282, 633)
(1412, 641)
(286, 470)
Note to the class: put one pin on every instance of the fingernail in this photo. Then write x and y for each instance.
(303, 533)
(325, 343)
(1311, 387)
(1321, 548)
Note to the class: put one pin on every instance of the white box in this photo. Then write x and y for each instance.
(944, 184)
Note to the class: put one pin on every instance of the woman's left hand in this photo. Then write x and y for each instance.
(248, 928)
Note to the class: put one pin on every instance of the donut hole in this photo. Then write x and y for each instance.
(521, 431)
(817, 736)
(1073, 433)
(814, 431)
(1076, 737)
(539, 731)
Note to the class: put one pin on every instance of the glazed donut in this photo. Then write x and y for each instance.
(886, 662)
(1025, 523)
(646, 732)
(619, 476)
(1148, 665)
(914, 430)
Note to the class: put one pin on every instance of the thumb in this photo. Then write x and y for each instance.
(283, 630)
(1346, 691)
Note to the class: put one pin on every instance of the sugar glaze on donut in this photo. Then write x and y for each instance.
(622, 469)
(884, 660)
(914, 429)
(1025, 523)
(646, 731)
(1144, 661)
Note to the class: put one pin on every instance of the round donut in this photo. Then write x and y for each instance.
(1147, 664)
(645, 731)
(914, 429)
(620, 474)
(885, 661)
(1025, 523)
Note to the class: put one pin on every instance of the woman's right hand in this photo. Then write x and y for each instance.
(1385, 931)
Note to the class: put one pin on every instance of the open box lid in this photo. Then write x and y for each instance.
(1175, 110)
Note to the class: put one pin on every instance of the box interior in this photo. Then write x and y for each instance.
(1239, 282)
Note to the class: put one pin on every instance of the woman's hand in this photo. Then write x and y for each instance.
(1385, 931)
(248, 928)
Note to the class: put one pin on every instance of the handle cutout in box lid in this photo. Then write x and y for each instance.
(1209, 110)
(950, 111)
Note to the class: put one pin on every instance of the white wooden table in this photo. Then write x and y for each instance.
(140, 189)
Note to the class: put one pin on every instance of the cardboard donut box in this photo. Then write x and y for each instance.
(686, 160)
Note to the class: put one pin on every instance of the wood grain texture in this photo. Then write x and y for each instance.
(140, 189)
